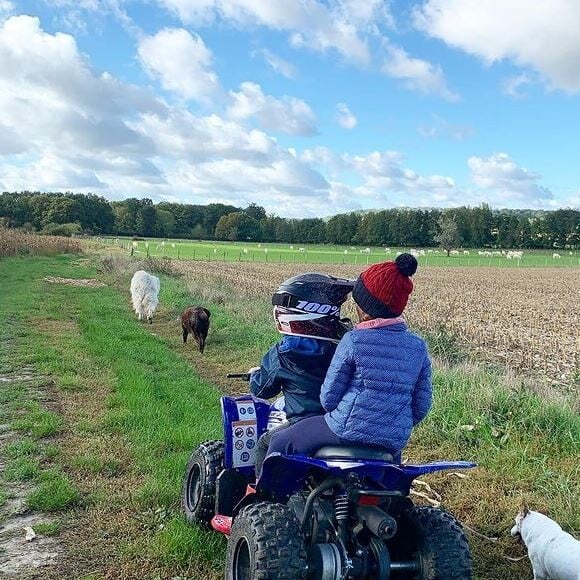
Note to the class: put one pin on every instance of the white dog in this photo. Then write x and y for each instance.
(554, 554)
(144, 294)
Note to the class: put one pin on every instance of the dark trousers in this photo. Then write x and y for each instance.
(264, 442)
(307, 436)
(304, 437)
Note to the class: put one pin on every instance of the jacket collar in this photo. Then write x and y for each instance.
(379, 323)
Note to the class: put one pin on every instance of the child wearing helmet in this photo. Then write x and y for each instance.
(378, 385)
(307, 313)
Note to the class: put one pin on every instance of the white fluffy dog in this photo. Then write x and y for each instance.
(554, 554)
(145, 294)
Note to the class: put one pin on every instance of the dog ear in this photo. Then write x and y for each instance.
(525, 509)
(207, 312)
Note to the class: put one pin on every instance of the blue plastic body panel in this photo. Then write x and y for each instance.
(245, 418)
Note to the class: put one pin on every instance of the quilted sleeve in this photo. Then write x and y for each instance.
(423, 392)
(265, 383)
(339, 374)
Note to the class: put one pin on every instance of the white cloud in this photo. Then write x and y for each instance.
(382, 179)
(540, 35)
(346, 119)
(507, 182)
(182, 63)
(6, 8)
(312, 24)
(417, 74)
(512, 85)
(287, 115)
(278, 64)
(62, 126)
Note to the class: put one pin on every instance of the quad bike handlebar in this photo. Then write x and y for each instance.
(242, 376)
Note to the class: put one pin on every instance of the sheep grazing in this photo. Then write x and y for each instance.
(144, 294)
(556, 256)
(195, 321)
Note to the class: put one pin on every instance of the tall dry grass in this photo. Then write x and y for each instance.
(19, 243)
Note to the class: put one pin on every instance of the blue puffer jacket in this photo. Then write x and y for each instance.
(296, 366)
(378, 386)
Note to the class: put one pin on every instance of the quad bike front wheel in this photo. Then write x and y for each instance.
(199, 483)
(266, 544)
(436, 542)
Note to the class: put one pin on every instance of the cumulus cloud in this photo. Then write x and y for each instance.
(417, 74)
(540, 35)
(287, 115)
(311, 24)
(508, 183)
(346, 119)
(63, 126)
(182, 63)
(383, 179)
(277, 63)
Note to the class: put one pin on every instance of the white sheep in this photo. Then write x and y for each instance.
(556, 256)
(387, 250)
(455, 252)
(144, 294)
(301, 250)
(466, 252)
(245, 250)
(345, 252)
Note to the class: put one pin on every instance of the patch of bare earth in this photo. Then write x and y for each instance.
(84, 282)
(21, 554)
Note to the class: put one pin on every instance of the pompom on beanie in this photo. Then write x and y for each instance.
(382, 290)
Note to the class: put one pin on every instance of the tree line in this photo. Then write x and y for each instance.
(470, 227)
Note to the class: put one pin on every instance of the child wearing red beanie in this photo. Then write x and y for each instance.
(378, 385)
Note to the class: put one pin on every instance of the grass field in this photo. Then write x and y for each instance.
(326, 254)
(102, 412)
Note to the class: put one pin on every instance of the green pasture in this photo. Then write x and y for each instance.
(328, 254)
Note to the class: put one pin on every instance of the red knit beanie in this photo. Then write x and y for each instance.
(382, 290)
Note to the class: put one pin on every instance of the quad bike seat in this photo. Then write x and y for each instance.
(353, 452)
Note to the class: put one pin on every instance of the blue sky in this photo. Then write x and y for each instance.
(308, 107)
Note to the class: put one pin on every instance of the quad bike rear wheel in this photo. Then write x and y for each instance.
(199, 483)
(436, 541)
(266, 544)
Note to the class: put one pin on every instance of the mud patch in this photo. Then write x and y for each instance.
(19, 556)
(85, 282)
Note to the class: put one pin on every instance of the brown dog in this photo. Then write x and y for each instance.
(195, 321)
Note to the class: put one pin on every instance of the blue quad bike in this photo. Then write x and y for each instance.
(343, 513)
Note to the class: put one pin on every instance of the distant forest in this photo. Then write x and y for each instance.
(74, 214)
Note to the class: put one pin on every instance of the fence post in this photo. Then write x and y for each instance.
(224, 255)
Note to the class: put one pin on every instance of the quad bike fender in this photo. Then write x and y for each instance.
(283, 475)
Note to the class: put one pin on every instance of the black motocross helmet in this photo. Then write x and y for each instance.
(309, 305)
